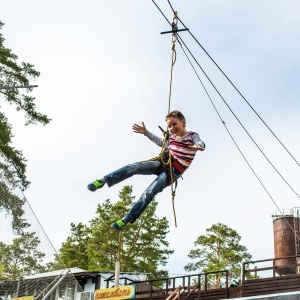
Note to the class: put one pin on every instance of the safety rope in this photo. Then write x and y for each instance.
(166, 157)
(174, 29)
(168, 161)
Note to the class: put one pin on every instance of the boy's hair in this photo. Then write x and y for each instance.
(175, 114)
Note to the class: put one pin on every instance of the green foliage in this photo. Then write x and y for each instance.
(219, 249)
(12, 205)
(74, 250)
(141, 247)
(21, 257)
(13, 73)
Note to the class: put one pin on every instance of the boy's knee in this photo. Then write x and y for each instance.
(134, 168)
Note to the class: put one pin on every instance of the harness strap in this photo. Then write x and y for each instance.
(178, 166)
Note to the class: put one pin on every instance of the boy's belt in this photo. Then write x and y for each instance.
(178, 166)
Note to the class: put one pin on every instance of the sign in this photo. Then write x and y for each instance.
(23, 298)
(116, 293)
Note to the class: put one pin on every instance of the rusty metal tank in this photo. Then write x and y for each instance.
(286, 240)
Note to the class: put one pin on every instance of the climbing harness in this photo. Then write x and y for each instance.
(169, 164)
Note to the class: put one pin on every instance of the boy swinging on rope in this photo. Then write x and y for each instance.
(181, 146)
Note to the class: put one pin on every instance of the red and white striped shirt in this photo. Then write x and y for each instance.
(179, 146)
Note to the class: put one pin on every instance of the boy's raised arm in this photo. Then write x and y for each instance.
(139, 128)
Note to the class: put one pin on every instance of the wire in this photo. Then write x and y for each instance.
(231, 109)
(162, 13)
(238, 91)
(219, 115)
(171, 7)
(235, 116)
(238, 119)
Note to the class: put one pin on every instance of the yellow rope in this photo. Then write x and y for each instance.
(171, 79)
(169, 159)
(174, 28)
(161, 156)
(167, 162)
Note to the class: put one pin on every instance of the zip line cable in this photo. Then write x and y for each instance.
(163, 13)
(296, 234)
(233, 112)
(237, 90)
(232, 138)
(238, 119)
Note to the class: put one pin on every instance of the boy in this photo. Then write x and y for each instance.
(182, 145)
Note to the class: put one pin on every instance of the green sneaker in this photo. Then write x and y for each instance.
(119, 225)
(97, 184)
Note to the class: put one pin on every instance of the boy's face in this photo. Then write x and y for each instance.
(176, 126)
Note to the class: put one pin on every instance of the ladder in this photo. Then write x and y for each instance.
(176, 293)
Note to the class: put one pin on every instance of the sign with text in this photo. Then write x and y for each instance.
(23, 298)
(116, 293)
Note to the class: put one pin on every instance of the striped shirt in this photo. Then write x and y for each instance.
(179, 146)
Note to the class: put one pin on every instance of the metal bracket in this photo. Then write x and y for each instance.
(17, 87)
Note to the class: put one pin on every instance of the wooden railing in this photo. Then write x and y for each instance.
(272, 267)
(269, 276)
(193, 286)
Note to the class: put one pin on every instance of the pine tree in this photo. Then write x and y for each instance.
(219, 249)
(13, 73)
(12, 162)
(141, 247)
(21, 257)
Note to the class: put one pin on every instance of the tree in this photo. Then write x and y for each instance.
(141, 247)
(21, 257)
(13, 73)
(12, 205)
(74, 250)
(12, 161)
(219, 249)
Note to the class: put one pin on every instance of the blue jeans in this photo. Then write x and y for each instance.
(142, 168)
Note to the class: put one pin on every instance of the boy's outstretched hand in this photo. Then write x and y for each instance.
(139, 129)
(197, 147)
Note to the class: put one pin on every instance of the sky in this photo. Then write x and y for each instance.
(105, 65)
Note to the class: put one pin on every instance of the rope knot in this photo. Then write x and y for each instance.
(173, 45)
(175, 15)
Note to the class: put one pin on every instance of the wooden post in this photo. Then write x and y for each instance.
(117, 273)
